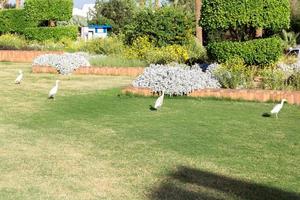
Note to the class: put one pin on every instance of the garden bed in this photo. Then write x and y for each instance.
(115, 71)
(293, 97)
(23, 56)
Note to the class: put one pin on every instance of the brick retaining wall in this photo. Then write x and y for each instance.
(293, 97)
(23, 56)
(115, 71)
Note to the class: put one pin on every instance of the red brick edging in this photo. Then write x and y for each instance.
(115, 71)
(293, 97)
(23, 56)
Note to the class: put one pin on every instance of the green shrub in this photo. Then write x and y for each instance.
(117, 13)
(139, 48)
(294, 81)
(12, 42)
(272, 78)
(241, 18)
(143, 49)
(167, 54)
(107, 46)
(254, 52)
(235, 74)
(14, 21)
(196, 52)
(45, 10)
(165, 26)
(51, 33)
(70, 45)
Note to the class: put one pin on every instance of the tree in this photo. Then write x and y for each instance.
(240, 21)
(18, 3)
(165, 26)
(49, 11)
(198, 4)
(116, 13)
(187, 5)
(295, 15)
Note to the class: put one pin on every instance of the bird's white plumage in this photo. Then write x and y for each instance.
(19, 78)
(277, 108)
(53, 91)
(159, 101)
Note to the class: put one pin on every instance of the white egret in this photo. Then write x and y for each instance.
(19, 78)
(53, 91)
(278, 107)
(159, 101)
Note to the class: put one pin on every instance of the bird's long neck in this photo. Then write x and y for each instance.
(282, 102)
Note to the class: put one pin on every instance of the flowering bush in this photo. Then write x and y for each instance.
(234, 74)
(11, 41)
(176, 80)
(65, 63)
(143, 49)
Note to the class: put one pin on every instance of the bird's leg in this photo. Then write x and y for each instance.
(276, 116)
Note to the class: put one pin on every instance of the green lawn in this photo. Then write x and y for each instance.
(92, 143)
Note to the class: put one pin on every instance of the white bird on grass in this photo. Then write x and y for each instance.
(19, 78)
(158, 102)
(53, 91)
(278, 107)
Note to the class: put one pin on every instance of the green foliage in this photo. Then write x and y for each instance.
(116, 13)
(14, 21)
(51, 33)
(254, 52)
(165, 26)
(235, 74)
(109, 45)
(295, 15)
(196, 52)
(294, 81)
(12, 42)
(45, 10)
(188, 5)
(289, 39)
(242, 18)
(143, 49)
(272, 78)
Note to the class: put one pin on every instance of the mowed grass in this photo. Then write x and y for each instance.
(93, 143)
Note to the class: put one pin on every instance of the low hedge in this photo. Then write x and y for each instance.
(254, 52)
(14, 21)
(51, 33)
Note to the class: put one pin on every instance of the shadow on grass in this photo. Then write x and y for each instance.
(190, 184)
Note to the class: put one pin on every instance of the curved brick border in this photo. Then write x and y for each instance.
(23, 56)
(115, 71)
(293, 97)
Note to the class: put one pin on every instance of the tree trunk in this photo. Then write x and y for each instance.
(294, 7)
(198, 4)
(142, 3)
(259, 32)
(157, 4)
(18, 4)
(51, 23)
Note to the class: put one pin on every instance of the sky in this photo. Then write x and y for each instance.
(77, 3)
